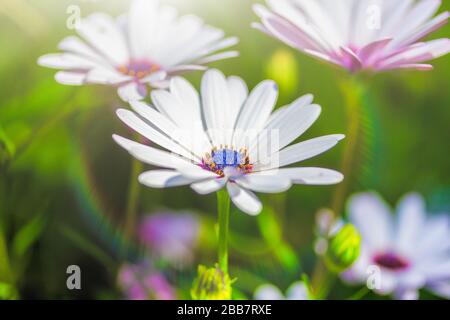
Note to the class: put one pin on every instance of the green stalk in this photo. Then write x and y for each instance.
(223, 208)
(353, 90)
(5, 267)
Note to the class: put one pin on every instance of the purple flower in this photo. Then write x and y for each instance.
(171, 236)
(141, 282)
(403, 254)
(358, 34)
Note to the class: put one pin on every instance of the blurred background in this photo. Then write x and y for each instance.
(64, 182)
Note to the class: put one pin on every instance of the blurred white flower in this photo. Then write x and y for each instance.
(171, 236)
(144, 47)
(219, 140)
(297, 291)
(358, 34)
(410, 251)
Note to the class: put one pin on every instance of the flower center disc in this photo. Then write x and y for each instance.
(391, 261)
(139, 68)
(220, 159)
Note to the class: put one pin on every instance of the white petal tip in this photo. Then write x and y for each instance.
(121, 141)
(254, 212)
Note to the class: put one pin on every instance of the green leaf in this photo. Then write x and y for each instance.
(28, 235)
(89, 248)
(5, 268)
(7, 147)
(272, 233)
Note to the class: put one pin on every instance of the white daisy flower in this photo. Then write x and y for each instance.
(144, 47)
(376, 35)
(220, 139)
(411, 251)
(296, 291)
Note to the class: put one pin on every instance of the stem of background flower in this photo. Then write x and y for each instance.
(133, 197)
(5, 268)
(353, 92)
(223, 208)
(326, 279)
(359, 294)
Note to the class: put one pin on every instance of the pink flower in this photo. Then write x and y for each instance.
(142, 48)
(141, 282)
(171, 236)
(358, 34)
(400, 255)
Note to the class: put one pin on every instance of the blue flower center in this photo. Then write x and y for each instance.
(220, 159)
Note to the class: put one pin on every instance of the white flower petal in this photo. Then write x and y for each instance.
(193, 171)
(142, 19)
(256, 111)
(188, 96)
(130, 92)
(300, 151)
(66, 61)
(155, 77)
(309, 176)
(372, 217)
(441, 288)
(209, 186)
(218, 56)
(70, 78)
(435, 237)
(164, 179)
(410, 222)
(216, 104)
(406, 294)
(266, 183)
(268, 292)
(152, 155)
(297, 291)
(179, 69)
(191, 138)
(288, 125)
(140, 126)
(104, 75)
(278, 114)
(169, 105)
(238, 94)
(102, 32)
(75, 45)
(244, 199)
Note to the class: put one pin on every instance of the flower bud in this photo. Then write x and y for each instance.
(211, 284)
(283, 69)
(343, 248)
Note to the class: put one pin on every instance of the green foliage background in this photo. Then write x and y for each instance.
(64, 182)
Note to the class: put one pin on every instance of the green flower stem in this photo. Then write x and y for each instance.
(223, 208)
(360, 294)
(353, 90)
(5, 268)
(133, 197)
